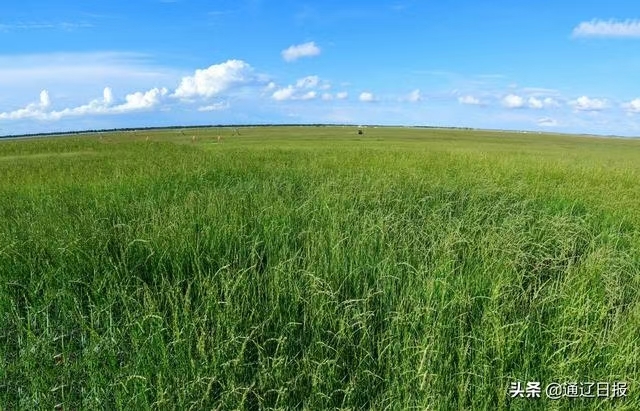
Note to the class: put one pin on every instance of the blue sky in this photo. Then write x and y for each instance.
(528, 65)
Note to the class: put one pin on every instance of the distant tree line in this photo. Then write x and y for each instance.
(133, 129)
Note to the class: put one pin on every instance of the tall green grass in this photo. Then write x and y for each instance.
(313, 268)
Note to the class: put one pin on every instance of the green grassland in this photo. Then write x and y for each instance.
(315, 268)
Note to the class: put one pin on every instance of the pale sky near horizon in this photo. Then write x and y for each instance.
(559, 66)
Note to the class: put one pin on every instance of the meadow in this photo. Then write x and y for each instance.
(315, 268)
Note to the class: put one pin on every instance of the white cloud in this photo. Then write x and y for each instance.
(469, 100)
(609, 28)
(413, 97)
(293, 53)
(305, 88)
(271, 86)
(284, 94)
(209, 82)
(107, 96)
(33, 110)
(633, 106)
(308, 82)
(513, 101)
(342, 95)
(327, 96)
(133, 102)
(310, 95)
(366, 97)
(585, 103)
(93, 107)
(141, 101)
(45, 100)
(289, 93)
(215, 107)
(547, 122)
(538, 103)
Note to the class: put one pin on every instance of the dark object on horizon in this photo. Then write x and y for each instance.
(360, 131)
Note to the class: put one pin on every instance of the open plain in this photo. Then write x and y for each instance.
(316, 268)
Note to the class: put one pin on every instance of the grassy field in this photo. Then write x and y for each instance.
(315, 268)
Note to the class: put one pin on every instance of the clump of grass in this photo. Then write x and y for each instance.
(409, 270)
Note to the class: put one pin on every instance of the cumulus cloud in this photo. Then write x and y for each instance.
(550, 102)
(470, 100)
(366, 97)
(310, 95)
(291, 93)
(413, 97)
(107, 96)
(513, 101)
(33, 110)
(536, 103)
(308, 82)
(133, 102)
(45, 101)
(209, 82)
(286, 93)
(305, 88)
(585, 103)
(633, 106)
(608, 28)
(293, 53)
(329, 96)
(96, 106)
(141, 100)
